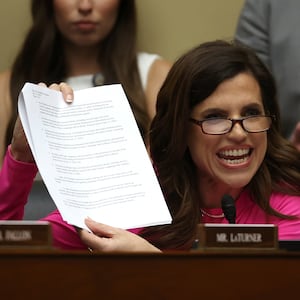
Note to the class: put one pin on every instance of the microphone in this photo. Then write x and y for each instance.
(228, 207)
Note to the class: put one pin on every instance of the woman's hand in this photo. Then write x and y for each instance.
(20, 149)
(104, 238)
(64, 88)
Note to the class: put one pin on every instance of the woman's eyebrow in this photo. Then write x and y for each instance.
(212, 110)
(254, 105)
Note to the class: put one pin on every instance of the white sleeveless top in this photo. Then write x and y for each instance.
(144, 61)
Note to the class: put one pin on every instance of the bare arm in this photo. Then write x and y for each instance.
(157, 74)
(5, 110)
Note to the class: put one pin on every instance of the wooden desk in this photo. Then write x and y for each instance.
(43, 274)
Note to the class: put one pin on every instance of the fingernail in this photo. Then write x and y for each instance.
(69, 99)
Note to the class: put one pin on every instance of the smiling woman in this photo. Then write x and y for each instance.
(248, 159)
(228, 161)
(216, 132)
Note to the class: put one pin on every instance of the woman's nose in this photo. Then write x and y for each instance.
(237, 131)
(85, 6)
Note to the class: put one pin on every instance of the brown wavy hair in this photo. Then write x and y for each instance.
(41, 58)
(190, 81)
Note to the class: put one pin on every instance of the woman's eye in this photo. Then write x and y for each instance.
(214, 116)
(253, 112)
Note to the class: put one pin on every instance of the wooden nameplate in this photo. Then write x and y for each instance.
(236, 236)
(30, 234)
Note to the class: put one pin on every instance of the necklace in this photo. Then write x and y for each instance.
(210, 215)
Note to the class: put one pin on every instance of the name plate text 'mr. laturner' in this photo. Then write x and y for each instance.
(219, 236)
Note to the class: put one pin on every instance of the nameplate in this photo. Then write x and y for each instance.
(25, 234)
(236, 236)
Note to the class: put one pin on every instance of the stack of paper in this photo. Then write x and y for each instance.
(91, 156)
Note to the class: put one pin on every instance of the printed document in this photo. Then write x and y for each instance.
(92, 157)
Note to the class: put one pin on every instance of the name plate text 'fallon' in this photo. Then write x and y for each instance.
(25, 234)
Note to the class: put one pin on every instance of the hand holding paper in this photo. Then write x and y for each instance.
(91, 156)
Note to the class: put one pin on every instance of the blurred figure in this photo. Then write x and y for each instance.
(85, 43)
(270, 28)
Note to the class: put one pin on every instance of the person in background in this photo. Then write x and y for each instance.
(84, 43)
(270, 28)
(216, 132)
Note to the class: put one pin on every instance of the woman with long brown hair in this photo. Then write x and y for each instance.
(84, 43)
(216, 132)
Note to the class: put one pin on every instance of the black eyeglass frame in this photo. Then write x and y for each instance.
(233, 122)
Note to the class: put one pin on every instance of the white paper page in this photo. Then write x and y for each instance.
(91, 156)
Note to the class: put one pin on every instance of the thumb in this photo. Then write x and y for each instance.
(99, 229)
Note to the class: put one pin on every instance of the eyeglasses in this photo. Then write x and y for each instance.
(217, 126)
